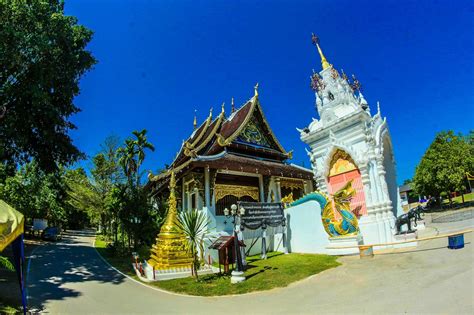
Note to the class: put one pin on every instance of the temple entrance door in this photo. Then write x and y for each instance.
(342, 170)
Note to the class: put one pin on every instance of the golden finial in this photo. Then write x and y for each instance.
(223, 108)
(315, 41)
(172, 185)
(195, 123)
(256, 89)
(232, 106)
(210, 112)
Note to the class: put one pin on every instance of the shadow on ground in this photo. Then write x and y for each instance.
(57, 270)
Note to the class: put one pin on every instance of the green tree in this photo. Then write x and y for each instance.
(137, 215)
(42, 57)
(132, 155)
(444, 165)
(36, 194)
(83, 199)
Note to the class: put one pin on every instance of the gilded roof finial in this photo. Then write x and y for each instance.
(195, 123)
(315, 41)
(232, 105)
(256, 89)
(222, 107)
(210, 112)
(172, 184)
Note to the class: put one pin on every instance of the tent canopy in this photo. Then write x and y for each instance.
(11, 224)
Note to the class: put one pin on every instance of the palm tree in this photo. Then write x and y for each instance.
(141, 143)
(127, 160)
(193, 224)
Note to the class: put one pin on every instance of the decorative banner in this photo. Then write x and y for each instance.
(258, 214)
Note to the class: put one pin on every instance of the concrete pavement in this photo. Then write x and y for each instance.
(70, 278)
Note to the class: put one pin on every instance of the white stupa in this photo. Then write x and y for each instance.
(348, 142)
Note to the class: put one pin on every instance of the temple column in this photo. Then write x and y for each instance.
(183, 195)
(278, 190)
(367, 189)
(207, 188)
(261, 189)
(308, 186)
(189, 202)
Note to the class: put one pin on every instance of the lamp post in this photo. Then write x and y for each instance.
(238, 272)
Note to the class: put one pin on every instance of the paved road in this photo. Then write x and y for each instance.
(70, 278)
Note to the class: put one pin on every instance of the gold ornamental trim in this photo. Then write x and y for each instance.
(201, 134)
(341, 162)
(213, 132)
(223, 190)
(291, 183)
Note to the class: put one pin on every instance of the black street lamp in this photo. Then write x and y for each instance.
(238, 272)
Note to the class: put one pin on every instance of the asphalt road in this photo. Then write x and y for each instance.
(70, 278)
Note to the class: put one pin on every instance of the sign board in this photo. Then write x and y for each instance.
(261, 214)
(221, 242)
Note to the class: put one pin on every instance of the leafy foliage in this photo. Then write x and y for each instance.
(6, 263)
(35, 193)
(193, 224)
(42, 56)
(444, 165)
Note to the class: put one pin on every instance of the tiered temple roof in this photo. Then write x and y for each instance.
(241, 142)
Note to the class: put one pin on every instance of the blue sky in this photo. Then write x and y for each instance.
(158, 61)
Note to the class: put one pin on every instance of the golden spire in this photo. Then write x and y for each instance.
(195, 123)
(223, 108)
(232, 106)
(256, 89)
(324, 61)
(171, 248)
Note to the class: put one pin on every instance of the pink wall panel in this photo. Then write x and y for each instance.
(336, 182)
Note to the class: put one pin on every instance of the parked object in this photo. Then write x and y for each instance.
(456, 241)
(52, 233)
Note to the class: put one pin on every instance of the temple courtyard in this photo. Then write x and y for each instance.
(70, 277)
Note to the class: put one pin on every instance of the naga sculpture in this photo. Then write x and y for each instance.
(348, 224)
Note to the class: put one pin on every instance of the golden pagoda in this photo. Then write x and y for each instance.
(171, 248)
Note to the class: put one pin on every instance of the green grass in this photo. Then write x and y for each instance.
(5, 308)
(458, 199)
(122, 263)
(278, 270)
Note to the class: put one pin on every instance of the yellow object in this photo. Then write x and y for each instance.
(341, 163)
(11, 224)
(324, 62)
(287, 199)
(223, 190)
(349, 224)
(171, 249)
(195, 123)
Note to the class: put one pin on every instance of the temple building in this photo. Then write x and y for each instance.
(349, 143)
(230, 159)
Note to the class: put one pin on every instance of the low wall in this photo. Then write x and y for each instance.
(305, 230)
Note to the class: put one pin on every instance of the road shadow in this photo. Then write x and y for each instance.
(56, 267)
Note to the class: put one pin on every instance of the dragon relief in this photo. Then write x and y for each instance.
(348, 224)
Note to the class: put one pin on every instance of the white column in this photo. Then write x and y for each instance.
(183, 195)
(188, 198)
(367, 189)
(278, 190)
(260, 188)
(207, 188)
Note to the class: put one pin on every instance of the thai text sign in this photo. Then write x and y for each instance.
(258, 214)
